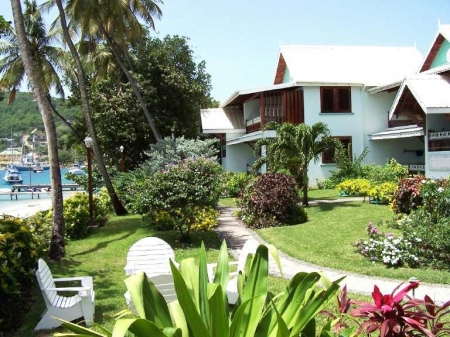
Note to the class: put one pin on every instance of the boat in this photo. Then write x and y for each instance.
(13, 176)
(38, 169)
(76, 170)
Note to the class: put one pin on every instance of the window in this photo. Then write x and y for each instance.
(335, 99)
(328, 156)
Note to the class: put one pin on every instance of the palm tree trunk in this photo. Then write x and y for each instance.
(118, 207)
(133, 85)
(305, 187)
(57, 244)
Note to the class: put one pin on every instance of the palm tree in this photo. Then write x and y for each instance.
(49, 57)
(115, 22)
(35, 74)
(118, 207)
(293, 148)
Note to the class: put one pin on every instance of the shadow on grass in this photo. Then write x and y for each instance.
(103, 244)
(329, 206)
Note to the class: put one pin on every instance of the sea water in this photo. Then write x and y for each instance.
(29, 178)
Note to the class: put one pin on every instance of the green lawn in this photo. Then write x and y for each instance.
(326, 239)
(103, 256)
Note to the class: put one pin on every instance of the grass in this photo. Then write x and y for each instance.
(322, 195)
(228, 202)
(103, 256)
(326, 239)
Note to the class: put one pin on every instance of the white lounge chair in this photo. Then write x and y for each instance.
(151, 255)
(68, 308)
(249, 247)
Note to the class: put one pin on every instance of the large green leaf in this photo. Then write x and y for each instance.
(140, 327)
(254, 294)
(314, 306)
(222, 273)
(274, 252)
(78, 330)
(178, 319)
(241, 325)
(288, 303)
(189, 270)
(203, 289)
(193, 318)
(219, 314)
(149, 303)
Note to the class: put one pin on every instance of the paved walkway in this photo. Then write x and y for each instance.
(235, 234)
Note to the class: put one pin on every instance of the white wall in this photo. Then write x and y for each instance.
(238, 157)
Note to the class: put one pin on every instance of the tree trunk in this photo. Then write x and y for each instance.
(305, 187)
(118, 207)
(133, 86)
(57, 244)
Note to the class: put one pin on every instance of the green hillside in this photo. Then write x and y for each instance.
(23, 116)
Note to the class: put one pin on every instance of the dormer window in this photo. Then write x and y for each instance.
(335, 99)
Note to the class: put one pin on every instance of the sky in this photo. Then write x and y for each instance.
(239, 39)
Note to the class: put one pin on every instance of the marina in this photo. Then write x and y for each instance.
(34, 185)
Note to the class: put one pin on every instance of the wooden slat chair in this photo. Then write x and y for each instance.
(150, 255)
(165, 285)
(249, 247)
(66, 307)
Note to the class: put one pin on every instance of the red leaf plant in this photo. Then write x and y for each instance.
(437, 324)
(391, 316)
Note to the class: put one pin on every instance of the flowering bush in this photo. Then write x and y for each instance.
(383, 193)
(271, 200)
(391, 172)
(203, 219)
(178, 190)
(354, 187)
(388, 249)
(407, 196)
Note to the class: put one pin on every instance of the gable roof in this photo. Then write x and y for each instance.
(442, 35)
(432, 93)
(371, 66)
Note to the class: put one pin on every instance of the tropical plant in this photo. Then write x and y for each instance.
(293, 148)
(407, 195)
(392, 317)
(348, 167)
(391, 172)
(437, 321)
(354, 187)
(117, 24)
(234, 183)
(202, 308)
(271, 200)
(81, 77)
(382, 193)
(35, 74)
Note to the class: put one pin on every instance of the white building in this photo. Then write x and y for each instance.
(388, 99)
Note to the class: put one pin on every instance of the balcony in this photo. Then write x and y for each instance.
(439, 141)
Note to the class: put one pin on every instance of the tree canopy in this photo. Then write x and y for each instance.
(174, 87)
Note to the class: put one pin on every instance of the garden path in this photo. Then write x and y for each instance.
(236, 233)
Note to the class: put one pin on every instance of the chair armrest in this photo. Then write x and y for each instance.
(86, 281)
(82, 291)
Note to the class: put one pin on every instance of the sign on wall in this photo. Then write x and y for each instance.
(439, 162)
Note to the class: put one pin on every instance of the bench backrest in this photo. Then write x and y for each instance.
(45, 279)
(151, 255)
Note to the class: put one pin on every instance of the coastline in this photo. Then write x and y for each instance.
(23, 208)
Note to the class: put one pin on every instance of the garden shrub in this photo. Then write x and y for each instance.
(348, 167)
(383, 193)
(390, 172)
(203, 219)
(271, 200)
(407, 196)
(234, 183)
(354, 187)
(178, 190)
(19, 252)
(325, 184)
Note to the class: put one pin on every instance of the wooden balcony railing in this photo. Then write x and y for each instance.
(439, 141)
